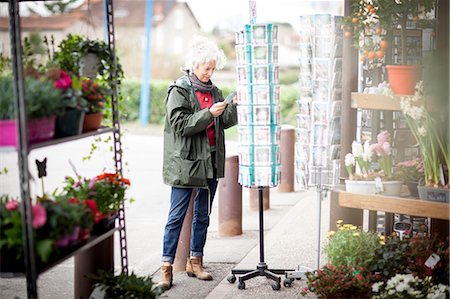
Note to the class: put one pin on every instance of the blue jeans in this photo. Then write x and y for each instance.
(179, 203)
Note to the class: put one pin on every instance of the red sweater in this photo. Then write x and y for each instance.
(206, 101)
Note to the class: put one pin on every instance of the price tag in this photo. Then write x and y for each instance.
(379, 185)
(432, 260)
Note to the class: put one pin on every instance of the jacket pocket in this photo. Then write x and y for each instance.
(191, 173)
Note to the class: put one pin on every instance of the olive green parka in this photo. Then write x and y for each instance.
(187, 155)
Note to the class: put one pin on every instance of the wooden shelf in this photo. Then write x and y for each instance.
(375, 101)
(392, 204)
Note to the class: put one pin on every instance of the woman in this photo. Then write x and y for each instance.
(194, 152)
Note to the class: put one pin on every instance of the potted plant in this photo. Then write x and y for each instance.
(411, 173)
(371, 19)
(427, 130)
(409, 286)
(43, 104)
(106, 189)
(370, 168)
(95, 97)
(108, 285)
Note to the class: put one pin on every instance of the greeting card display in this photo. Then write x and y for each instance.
(258, 105)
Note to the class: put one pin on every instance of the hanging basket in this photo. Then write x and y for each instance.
(403, 78)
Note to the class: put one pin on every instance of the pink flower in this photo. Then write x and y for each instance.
(387, 150)
(64, 81)
(92, 183)
(12, 205)
(383, 137)
(39, 215)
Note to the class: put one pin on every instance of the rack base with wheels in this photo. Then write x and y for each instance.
(261, 269)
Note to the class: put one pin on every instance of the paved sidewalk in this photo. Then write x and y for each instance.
(290, 226)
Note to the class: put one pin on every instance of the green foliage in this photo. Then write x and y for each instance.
(339, 282)
(5, 63)
(351, 246)
(288, 102)
(288, 77)
(59, 7)
(125, 286)
(42, 99)
(158, 92)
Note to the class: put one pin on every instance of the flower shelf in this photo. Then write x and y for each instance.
(393, 204)
(382, 102)
(17, 269)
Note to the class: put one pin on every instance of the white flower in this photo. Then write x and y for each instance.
(349, 160)
(367, 152)
(357, 149)
(376, 286)
(398, 2)
(422, 131)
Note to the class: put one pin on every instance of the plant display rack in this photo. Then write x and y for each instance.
(320, 101)
(23, 148)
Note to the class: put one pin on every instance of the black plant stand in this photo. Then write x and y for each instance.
(262, 268)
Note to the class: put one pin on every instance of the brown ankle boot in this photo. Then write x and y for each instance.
(194, 268)
(166, 277)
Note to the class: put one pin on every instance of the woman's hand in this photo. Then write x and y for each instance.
(217, 108)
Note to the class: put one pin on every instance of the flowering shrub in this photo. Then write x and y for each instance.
(351, 246)
(106, 189)
(407, 286)
(339, 282)
(360, 162)
(424, 127)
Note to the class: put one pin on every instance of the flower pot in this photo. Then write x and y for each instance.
(70, 123)
(360, 187)
(403, 78)
(390, 188)
(39, 129)
(434, 194)
(92, 121)
(412, 187)
(89, 65)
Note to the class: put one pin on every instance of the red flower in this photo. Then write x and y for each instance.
(92, 205)
(64, 81)
(74, 200)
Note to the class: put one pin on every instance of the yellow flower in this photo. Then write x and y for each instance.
(353, 227)
(339, 221)
(382, 242)
(382, 238)
(331, 233)
(356, 234)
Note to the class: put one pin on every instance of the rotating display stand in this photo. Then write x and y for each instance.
(258, 127)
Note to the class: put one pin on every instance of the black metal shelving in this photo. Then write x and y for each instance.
(31, 269)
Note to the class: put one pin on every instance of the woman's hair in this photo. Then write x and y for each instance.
(202, 51)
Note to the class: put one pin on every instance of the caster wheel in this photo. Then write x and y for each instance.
(241, 285)
(287, 283)
(276, 286)
(231, 278)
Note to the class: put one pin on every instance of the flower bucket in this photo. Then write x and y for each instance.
(412, 187)
(92, 121)
(39, 129)
(434, 194)
(390, 188)
(70, 123)
(403, 78)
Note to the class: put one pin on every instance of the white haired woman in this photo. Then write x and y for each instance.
(194, 152)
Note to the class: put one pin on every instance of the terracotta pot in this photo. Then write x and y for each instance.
(403, 78)
(92, 121)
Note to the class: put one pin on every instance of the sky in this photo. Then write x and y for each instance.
(233, 14)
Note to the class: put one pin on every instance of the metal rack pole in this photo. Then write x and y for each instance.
(22, 146)
(109, 13)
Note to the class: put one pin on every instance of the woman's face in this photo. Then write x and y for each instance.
(204, 71)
